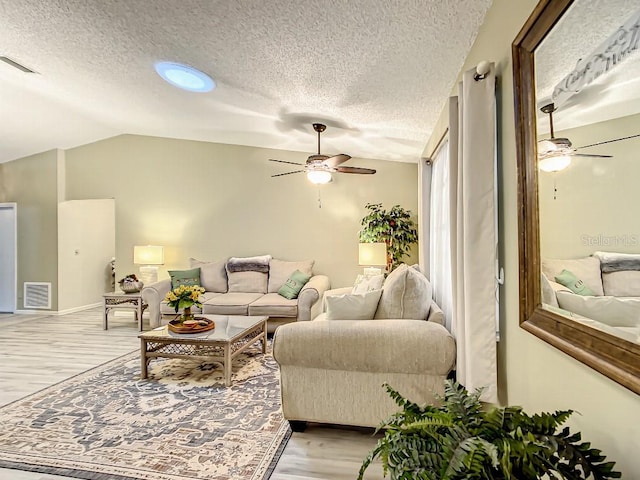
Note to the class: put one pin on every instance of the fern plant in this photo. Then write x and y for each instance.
(394, 227)
(461, 440)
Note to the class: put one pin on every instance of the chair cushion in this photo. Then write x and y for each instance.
(274, 305)
(406, 294)
(625, 283)
(586, 269)
(281, 270)
(213, 275)
(234, 303)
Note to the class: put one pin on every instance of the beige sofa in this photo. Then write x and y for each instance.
(332, 371)
(244, 293)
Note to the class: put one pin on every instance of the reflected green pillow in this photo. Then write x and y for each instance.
(573, 283)
(294, 284)
(189, 278)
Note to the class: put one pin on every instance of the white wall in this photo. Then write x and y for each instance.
(213, 201)
(531, 372)
(595, 198)
(86, 244)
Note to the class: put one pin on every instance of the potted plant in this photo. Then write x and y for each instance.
(185, 297)
(394, 227)
(461, 439)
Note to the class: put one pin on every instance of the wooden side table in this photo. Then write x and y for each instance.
(123, 301)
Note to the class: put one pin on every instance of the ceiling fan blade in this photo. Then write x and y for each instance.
(610, 141)
(366, 171)
(591, 155)
(288, 173)
(336, 160)
(284, 161)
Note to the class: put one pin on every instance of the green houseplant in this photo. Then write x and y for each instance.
(394, 227)
(462, 440)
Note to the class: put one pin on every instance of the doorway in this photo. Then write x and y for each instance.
(8, 257)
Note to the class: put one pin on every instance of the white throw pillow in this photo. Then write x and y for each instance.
(353, 307)
(548, 294)
(586, 269)
(367, 283)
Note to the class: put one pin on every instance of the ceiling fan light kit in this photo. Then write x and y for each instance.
(319, 167)
(554, 164)
(319, 177)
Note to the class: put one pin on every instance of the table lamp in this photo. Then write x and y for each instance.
(148, 257)
(371, 255)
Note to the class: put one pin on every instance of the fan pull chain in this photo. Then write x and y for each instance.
(319, 198)
(555, 190)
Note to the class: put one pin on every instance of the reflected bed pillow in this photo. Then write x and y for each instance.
(573, 283)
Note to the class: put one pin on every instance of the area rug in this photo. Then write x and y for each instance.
(180, 423)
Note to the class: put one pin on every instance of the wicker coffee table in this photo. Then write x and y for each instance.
(232, 335)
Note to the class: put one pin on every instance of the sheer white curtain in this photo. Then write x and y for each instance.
(440, 227)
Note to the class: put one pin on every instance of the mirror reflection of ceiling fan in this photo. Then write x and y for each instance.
(319, 167)
(554, 154)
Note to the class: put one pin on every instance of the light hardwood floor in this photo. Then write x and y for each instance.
(39, 350)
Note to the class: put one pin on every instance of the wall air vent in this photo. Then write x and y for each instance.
(37, 295)
(15, 64)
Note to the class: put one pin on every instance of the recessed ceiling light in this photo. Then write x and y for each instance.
(185, 77)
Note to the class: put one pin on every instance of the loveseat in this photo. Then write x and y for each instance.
(244, 286)
(332, 369)
(602, 290)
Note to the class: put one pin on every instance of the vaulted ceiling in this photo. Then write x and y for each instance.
(377, 72)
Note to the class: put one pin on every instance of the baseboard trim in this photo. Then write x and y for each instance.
(57, 312)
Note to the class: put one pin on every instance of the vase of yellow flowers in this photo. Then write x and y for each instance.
(185, 297)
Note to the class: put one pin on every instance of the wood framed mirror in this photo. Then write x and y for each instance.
(611, 355)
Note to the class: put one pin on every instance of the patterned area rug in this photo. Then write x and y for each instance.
(181, 423)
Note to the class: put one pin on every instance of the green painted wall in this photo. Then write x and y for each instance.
(31, 182)
(212, 201)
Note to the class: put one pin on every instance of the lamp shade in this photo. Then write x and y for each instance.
(319, 177)
(148, 255)
(554, 163)
(372, 253)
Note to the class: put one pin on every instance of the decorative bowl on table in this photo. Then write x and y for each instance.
(131, 287)
(197, 325)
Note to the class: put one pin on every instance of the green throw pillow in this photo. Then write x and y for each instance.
(294, 284)
(189, 278)
(573, 283)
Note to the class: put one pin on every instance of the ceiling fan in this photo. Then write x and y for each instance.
(320, 167)
(554, 154)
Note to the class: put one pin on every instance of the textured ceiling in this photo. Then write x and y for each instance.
(376, 71)
(586, 25)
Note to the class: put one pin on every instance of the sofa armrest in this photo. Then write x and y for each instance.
(308, 305)
(391, 346)
(153, 295)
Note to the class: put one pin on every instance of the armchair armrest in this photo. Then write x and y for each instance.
(308, 305)
(153, 295)
(391, 346)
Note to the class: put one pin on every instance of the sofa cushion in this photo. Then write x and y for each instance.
(613, 311)
(165, 309)
(294, 284)
(281, 270)
(586, 269)
(184, 277)
(361, 306)
(274, 305)
(213, 275)
(248, 274)
(625, 283)
(234, 303)
(406, 294)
